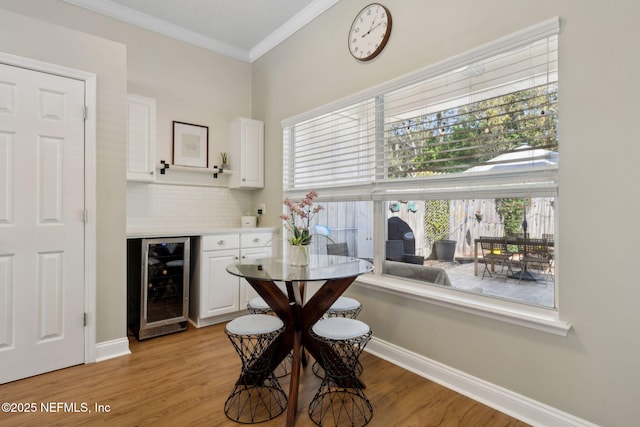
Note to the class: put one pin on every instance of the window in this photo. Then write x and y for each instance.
(464, 149)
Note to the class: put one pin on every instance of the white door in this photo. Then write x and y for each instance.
(41, 222)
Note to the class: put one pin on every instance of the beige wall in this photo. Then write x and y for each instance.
(593, 373)
(189, 84)
(34, 39)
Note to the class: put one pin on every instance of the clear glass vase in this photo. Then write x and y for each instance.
(298, 255)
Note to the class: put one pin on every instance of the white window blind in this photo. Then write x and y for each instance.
(483, 124)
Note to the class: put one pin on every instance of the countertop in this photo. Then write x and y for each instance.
(140, 233)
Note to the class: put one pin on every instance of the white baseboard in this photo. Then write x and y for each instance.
(523, 408)
(111, 349)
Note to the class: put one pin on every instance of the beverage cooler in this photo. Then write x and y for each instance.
(157, 286)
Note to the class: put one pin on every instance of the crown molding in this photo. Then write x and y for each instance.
(142, 20)
(302, 18)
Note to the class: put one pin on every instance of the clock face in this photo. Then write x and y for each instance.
(369, 32)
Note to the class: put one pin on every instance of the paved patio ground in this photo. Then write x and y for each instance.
(539, 292)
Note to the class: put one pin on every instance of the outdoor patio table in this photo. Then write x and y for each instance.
(337, 273)
(510, 241)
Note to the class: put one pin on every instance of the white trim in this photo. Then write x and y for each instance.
(535, 32)
(511, 403)
(112, 349)
(90, 203)
(160, 26)
(302, 18)
(90, 81)
(538, 318)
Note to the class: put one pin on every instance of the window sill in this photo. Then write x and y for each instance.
(538, 318)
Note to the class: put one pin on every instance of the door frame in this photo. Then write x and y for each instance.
(90, 81)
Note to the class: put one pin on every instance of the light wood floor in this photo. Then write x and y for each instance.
(184, 379)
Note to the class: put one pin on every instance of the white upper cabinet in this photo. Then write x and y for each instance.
(141, 138)
(246, 154)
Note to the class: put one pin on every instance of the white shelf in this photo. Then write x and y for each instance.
(164, 167)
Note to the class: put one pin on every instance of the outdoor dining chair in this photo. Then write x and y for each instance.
(535, 253)
(496, 251)
(338, 249)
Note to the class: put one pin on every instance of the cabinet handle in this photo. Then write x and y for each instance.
(256, 240)
(221, 242)
(244, 257)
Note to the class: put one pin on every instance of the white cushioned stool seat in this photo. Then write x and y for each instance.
(344, 307)
(345, 304)
(340, 328)
(258, 303)
(254, 324)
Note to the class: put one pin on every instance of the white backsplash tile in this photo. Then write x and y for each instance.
(181, 207)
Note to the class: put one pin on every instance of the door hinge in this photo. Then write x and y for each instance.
(85, 113)
(85, 319)
(85, 216)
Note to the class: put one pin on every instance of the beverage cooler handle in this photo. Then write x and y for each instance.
(145, 280)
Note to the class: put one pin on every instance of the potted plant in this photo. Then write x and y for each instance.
(298, 223)
(437, 223)
(224, 158)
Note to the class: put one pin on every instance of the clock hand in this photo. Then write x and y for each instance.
(371, 26)
(371, 29)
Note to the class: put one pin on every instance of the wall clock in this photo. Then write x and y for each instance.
(369, 32)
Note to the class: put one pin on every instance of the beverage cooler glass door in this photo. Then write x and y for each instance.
(165, 285)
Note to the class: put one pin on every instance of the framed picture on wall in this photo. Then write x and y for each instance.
(190, 145)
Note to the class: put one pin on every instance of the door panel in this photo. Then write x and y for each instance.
(247, 293)
(41, 222)
(219, 290)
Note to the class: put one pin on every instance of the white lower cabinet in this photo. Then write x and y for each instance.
(216, 295)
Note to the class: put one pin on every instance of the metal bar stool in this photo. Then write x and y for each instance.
(258, 305)
(343, 307)
(340, 399)
(252, 401)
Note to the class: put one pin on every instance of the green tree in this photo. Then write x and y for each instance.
(455, 139)
(511, 212)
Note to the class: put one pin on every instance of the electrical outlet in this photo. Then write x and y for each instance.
(262, 209)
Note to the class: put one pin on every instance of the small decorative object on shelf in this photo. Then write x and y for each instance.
(224, 157)
(298, 222)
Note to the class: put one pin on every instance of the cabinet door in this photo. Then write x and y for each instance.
(141, 138)
(219, 290)
(247, 149)
(247, 292)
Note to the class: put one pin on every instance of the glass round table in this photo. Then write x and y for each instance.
(320, 268)
(336, 273)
